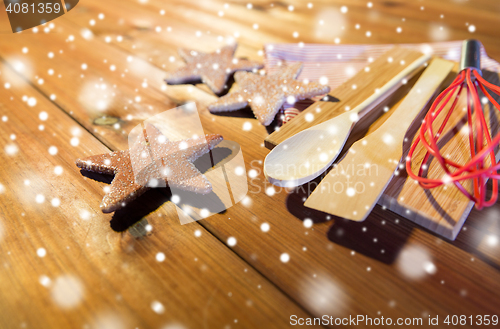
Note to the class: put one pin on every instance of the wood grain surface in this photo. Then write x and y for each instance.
(97, 73)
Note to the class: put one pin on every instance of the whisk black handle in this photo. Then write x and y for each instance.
(471, 55)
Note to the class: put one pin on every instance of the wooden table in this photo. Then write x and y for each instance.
(64, 265)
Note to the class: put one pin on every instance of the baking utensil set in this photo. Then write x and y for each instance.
(367, 172)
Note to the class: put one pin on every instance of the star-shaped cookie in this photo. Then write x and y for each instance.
(151, 161)
(212, 68)
(267, 93)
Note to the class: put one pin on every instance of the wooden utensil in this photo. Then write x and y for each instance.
(309, 153)
(355, 184)
(351, 93)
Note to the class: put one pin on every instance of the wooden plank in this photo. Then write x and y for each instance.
(65, 267)
(263, 215)
(325, 277)
(324, 22)
(148, 26)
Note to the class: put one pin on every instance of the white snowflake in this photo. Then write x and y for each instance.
(231, 241)
(157, 307)
(41, 252)
(160, 257)
(67, 291)
(415, 262)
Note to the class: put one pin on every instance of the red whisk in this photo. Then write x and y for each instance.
(482, 145)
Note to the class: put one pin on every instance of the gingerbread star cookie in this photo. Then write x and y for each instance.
(266, 93)
(213, 68)
(151, 161)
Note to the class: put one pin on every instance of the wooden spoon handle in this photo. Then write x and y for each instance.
(388, 89)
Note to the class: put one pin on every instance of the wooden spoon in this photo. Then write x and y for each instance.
(352, 188)
(306, 155)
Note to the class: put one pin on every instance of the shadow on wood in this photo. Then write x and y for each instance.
(245, 112)
(152, 199)
(377, 237)
(481, 226)
(139, 208)
(383, 234)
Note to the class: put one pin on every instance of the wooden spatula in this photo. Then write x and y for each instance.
(309, 153)
(354, 185)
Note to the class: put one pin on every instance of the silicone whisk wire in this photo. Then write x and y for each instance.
(482, 164)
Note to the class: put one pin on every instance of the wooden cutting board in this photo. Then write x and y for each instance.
(442, 210)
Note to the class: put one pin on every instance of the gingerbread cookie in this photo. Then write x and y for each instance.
(150, 161)
(213, 68)
(266, 93)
